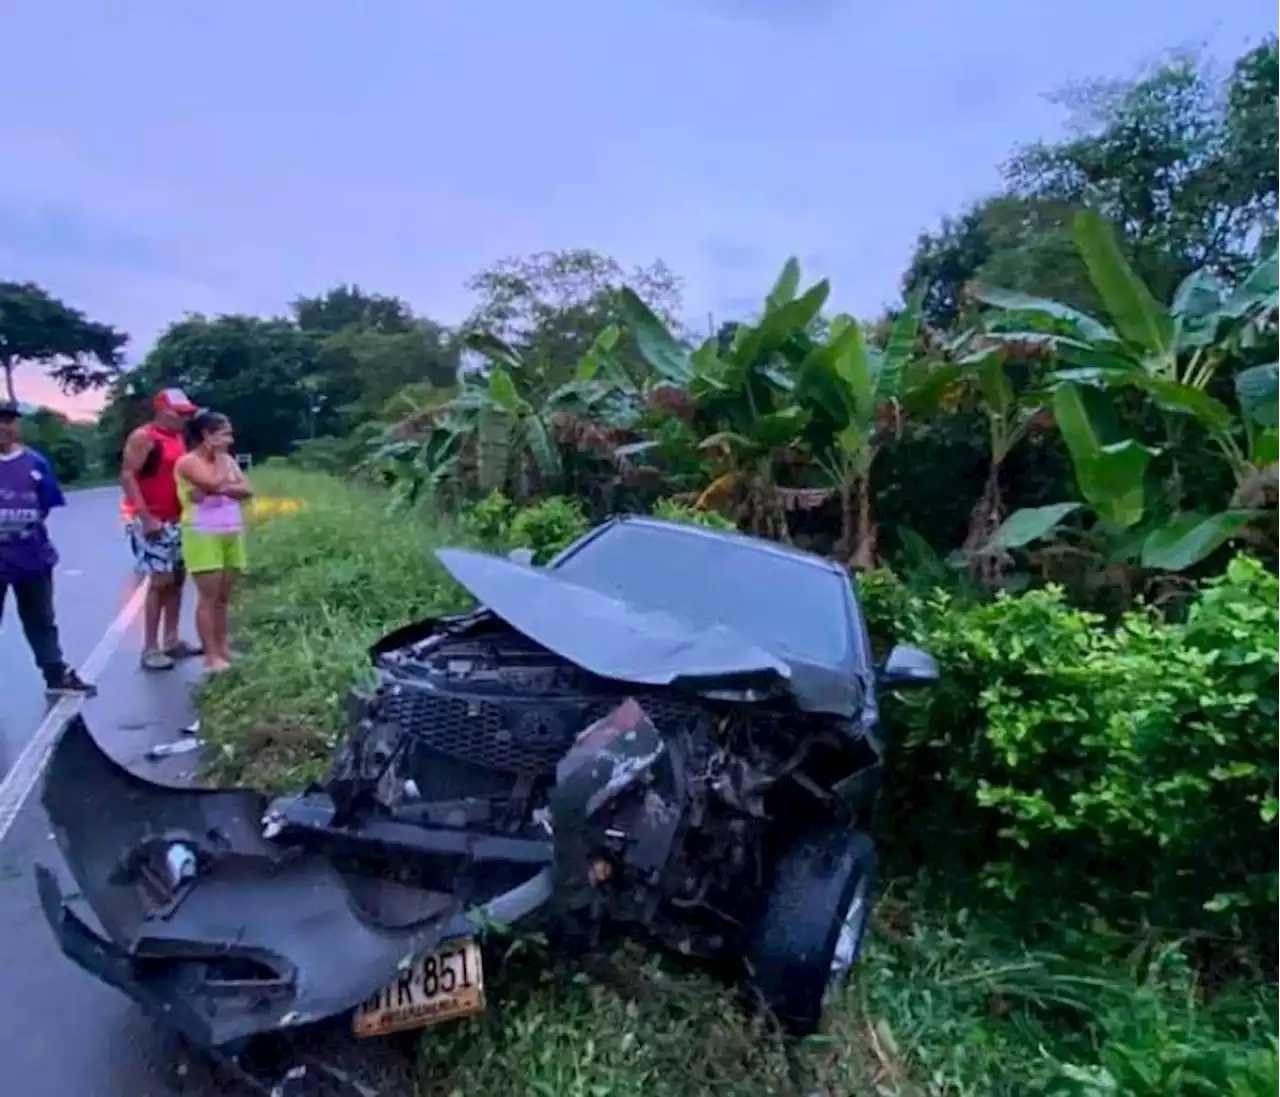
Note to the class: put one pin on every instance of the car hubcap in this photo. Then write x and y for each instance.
(852, 928)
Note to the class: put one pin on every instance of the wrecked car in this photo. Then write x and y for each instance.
(667, 730)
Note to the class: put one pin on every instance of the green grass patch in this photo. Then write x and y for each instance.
(324, 583)
(945, 1005)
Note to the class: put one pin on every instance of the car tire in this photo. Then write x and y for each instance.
(819, 904)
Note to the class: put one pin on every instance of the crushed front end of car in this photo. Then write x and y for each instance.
(556, 756)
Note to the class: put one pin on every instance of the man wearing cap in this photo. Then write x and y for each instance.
(28, 491)
(152, 512)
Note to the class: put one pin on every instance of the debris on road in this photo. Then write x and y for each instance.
(168, 750)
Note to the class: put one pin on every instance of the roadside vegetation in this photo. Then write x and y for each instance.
(1008, 956)
(1053, 464)
(70, 446)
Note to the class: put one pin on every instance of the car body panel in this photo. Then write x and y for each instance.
(641, 645)
(286, 914)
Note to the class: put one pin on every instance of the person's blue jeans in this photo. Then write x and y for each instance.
(35, 610)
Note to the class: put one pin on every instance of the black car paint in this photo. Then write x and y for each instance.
(637, 643)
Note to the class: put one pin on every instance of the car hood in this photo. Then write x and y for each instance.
(616, 639)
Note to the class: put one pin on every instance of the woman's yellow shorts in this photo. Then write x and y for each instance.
(204, 552)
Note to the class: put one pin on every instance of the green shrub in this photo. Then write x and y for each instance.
(548, 526)
(670, 511)
(1122, 773)
(488, 520)
(1155, 1045)
(66, 444)
(323, 584)
(328, 454)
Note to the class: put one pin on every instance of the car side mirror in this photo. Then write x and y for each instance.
(521, 556)
(906, 668)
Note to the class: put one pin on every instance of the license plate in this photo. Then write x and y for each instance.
(440, 986)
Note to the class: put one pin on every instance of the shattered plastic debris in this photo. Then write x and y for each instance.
(272, 825)
(178, 746)
(181, 862)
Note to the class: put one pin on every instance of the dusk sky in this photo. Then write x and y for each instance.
(162, 157)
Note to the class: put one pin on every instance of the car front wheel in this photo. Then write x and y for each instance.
(811, 931)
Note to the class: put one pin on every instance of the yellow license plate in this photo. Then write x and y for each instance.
(440, 986)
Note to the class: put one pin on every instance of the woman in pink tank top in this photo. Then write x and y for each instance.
(212, 489)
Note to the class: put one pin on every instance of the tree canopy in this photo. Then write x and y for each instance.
(252, 369)
(1180, 159)
(345, 307)
(36, 327)
(551, 305)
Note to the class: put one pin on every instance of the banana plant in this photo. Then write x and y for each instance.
(853, 393)
(423, 449)
(499, 426)
(1173, 354)
(1012, 412)
(523, 409)
(741, 387)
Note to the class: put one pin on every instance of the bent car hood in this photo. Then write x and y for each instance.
(608, 636)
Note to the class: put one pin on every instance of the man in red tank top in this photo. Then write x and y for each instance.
(152, 512)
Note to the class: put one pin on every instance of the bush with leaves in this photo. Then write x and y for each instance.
(548, 526)
(488, 519)
(66, 444)
(545, 527)
(670, 511)
(1125, 774)
(330, 453)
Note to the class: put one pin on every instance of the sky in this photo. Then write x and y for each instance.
(159, 158)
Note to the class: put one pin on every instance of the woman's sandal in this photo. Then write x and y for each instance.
(184, 650)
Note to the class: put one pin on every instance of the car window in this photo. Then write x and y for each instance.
(785, 605)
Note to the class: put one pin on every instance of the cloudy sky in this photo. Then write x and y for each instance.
(161, 157)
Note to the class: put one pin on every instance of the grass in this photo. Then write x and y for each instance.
(944, 1005)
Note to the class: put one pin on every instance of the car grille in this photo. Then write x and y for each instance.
(513, 737)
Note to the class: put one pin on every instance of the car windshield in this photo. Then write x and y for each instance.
(785, 605)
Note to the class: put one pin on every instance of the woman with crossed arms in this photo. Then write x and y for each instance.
(211, 487)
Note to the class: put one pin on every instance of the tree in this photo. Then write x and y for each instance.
(78, 353)
(370, 347)
(350, 307)
(551, 306)
(946, 259)
(128, 406)
(254, 370)
(1182, 162)
(361, 369)
(68, 445)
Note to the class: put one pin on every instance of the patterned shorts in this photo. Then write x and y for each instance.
(160, 554)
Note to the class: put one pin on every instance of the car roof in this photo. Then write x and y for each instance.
(734, 536)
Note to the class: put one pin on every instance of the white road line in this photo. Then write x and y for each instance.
(17, 786)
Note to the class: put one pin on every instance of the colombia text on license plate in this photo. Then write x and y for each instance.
(438, 987)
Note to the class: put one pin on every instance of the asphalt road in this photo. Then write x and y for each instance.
(91, 585)
(62, 1032)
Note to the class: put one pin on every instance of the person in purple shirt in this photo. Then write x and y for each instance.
(28, 491)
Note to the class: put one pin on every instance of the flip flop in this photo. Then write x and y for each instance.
(184, 650)
(156, 660)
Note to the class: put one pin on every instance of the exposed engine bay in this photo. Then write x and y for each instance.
(666, 808)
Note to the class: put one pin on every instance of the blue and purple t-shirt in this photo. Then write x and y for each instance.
(28, 491)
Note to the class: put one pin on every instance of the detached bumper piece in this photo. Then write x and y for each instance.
(220, 934)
